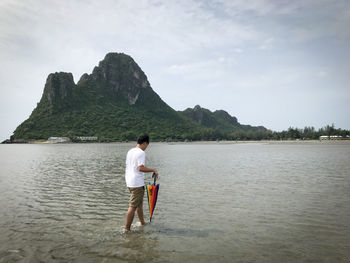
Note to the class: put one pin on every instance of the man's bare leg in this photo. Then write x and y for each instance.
(140, 214)
(129, 217)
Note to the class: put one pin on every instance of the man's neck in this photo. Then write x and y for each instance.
(140, 147)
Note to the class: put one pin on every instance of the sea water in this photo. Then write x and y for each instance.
(218, 202)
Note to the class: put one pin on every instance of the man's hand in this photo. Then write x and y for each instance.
(145, 169)
(155, 173)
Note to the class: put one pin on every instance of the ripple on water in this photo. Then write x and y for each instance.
(253, 203)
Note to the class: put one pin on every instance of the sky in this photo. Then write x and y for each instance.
(274, 63)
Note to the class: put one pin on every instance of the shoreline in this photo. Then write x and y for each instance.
(194, 142)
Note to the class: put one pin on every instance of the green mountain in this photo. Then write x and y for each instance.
(116, 102)
(220, 124)
(216, 120)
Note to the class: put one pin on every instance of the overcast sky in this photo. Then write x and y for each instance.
(274, 63)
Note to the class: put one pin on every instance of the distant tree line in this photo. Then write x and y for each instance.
(308, 133)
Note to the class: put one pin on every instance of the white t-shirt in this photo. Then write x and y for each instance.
(135, 158)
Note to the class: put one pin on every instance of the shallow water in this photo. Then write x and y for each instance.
(252, 202)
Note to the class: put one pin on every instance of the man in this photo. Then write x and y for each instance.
(134, 177)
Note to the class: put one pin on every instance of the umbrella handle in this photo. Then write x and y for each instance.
(155, 178)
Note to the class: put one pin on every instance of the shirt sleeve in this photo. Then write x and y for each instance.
(141, 160)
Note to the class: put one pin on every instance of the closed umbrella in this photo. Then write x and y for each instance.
(152, 195)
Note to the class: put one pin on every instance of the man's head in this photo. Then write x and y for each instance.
(143, 141)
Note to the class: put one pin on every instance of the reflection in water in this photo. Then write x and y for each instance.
(217, 203)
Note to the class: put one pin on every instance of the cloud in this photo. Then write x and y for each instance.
(299, 21)
(201, 67)
(260, 7)
(267, 43)
(322, 73)
(82, 28)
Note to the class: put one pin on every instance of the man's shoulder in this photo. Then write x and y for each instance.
(136, 151)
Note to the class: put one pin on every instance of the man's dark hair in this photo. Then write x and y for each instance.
(143, 138)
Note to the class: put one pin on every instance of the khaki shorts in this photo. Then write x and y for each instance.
(136, 196)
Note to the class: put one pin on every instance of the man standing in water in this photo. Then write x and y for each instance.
(134, 177)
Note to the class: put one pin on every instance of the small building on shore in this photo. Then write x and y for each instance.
(87, 138)
(332, 137)
(58, 139)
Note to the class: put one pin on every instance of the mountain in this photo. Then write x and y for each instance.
(116, 102)
(217, 120)
(220, 124)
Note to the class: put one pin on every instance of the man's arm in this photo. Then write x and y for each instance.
(145, 169)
